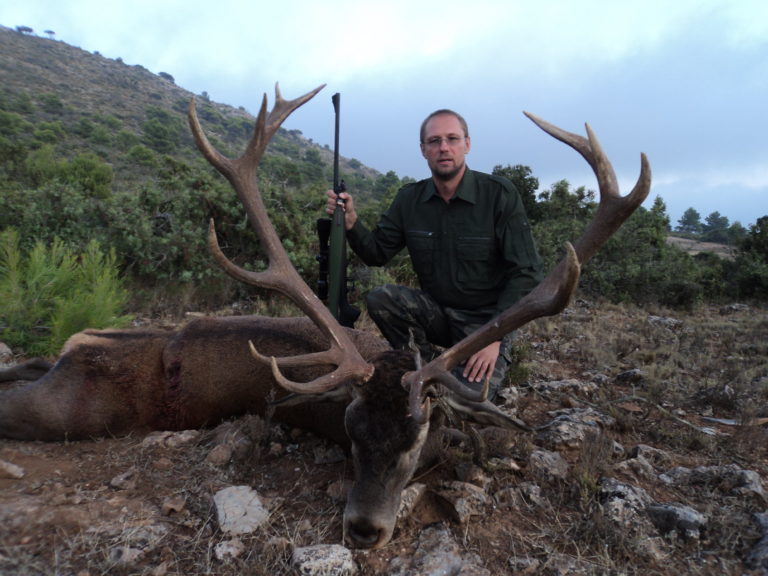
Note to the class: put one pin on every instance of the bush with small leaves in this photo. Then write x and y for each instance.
(51, 292)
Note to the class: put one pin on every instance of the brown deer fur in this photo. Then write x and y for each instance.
(112, 382)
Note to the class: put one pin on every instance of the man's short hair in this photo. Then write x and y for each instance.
(440, 112)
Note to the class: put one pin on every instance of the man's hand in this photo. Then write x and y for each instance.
(350, 216)
(480, 365)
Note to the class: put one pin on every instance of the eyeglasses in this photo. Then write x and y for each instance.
(437, 141)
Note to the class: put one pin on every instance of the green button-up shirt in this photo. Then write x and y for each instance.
(475, 251)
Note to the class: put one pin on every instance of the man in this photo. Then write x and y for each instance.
(470, 245)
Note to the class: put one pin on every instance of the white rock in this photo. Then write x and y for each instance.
(324, 560)
(229, 549)
(9, 470)
(239, 510)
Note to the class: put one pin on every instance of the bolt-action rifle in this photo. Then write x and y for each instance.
(333, 284)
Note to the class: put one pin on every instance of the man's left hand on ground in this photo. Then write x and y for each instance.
(480, 365)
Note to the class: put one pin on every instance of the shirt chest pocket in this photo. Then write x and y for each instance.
(477, 258)
(421, 246)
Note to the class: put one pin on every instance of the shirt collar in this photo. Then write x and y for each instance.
(466, 191)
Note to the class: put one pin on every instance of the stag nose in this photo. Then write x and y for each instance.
(362, 533)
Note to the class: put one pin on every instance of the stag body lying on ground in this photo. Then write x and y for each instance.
(114, 382)
(111, 382)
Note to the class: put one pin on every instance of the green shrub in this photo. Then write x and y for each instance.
(54, 210)
(751, 277)
(162, 130)
(49, 132)
(10, 123)
(51, 293)
(51, 103)
(89, 172)
(125, 140)
(142, 156)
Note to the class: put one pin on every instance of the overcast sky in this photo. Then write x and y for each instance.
(684, 81)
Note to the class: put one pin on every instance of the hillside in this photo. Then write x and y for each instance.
(95, 150)
(108, 106)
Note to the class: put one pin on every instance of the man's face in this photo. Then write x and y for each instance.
(445, 146)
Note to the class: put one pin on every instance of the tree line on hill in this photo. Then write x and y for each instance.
(144, 198)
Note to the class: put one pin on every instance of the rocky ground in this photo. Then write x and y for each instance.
(652, 461)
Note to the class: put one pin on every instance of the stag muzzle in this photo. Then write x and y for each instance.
(370, 516)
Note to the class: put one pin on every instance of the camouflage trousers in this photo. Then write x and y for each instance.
(396, 310)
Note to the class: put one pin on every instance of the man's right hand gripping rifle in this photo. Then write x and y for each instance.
(350, 216)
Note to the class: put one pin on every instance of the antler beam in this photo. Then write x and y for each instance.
(280, 274)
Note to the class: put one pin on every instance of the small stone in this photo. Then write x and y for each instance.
(410, 497)
(337, 490)
(220, 455)
(684, 520)
(125, 481)
(229, 549)
(324, 559)
(548, 464)
(239, 510)
(173, 505)
(12, 471)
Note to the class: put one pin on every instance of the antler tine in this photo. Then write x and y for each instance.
(613, 209)
(552, 294)
(280, 274)
(267, 124)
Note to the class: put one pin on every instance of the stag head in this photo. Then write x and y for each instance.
(388, 413)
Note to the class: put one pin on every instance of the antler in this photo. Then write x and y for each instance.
(280, 274)
(554, 292)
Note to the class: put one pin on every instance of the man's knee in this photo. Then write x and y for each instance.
(379, 301)
(376, 296)
(396, 299)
